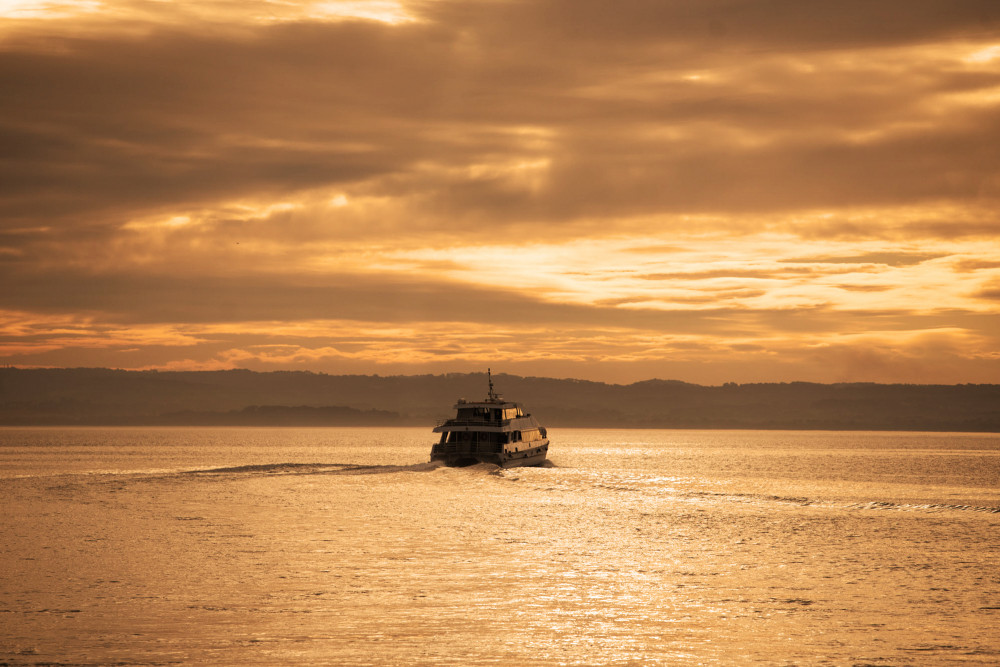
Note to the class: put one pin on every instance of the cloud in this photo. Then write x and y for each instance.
(110, 125)
(887, 258)
(722, 172)
(989, 292)
(973, 265)
(776, 24)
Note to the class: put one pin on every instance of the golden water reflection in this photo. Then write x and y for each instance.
(570, 565)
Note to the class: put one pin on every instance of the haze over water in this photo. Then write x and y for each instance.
(343, 546)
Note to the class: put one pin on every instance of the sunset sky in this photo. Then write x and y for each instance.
(700, 190)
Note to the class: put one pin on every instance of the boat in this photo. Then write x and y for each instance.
(490, 431)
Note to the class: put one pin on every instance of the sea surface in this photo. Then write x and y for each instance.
(633, 547)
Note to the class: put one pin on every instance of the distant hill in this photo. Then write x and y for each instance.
(96, 396)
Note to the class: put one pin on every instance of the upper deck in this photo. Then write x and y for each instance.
(484, 413)
(492, 413)
(489, 411)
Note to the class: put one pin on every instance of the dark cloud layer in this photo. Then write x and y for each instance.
(148, 299)
(772, 24)
(101, 127)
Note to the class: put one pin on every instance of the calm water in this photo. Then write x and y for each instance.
(344, 547)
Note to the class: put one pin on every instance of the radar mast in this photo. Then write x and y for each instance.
(492, 395)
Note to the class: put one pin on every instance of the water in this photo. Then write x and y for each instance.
(344, 547)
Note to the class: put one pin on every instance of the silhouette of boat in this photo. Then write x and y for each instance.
(490, 431)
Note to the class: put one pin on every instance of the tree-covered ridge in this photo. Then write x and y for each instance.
(84, 396)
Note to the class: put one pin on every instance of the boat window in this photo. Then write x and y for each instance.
(492, 439)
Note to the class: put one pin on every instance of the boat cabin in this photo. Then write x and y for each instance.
(487, 412)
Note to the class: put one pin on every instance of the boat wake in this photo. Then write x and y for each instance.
(317, 469)
(932, 507)
(861, 505)
(680, 489)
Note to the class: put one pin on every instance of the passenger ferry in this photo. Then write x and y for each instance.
(490, 431)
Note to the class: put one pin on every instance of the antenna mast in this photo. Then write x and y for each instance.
(489, 376)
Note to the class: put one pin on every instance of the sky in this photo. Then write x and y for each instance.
(701, 190)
